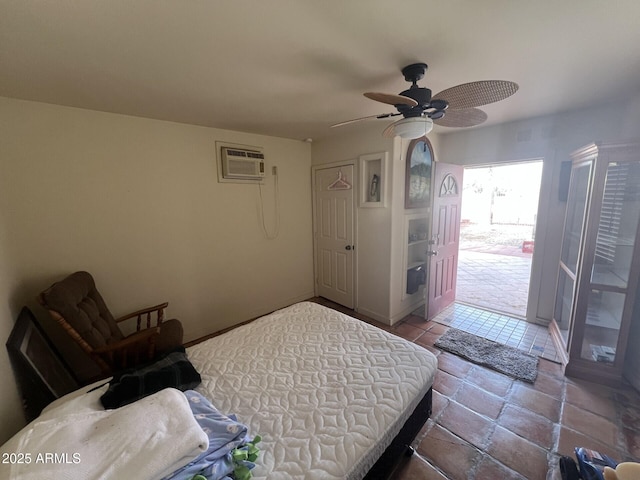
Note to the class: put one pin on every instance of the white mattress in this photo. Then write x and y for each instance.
(327, 393)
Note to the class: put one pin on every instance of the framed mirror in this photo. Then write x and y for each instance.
(418, 173)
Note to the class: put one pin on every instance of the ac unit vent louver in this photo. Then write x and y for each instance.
(242, 164)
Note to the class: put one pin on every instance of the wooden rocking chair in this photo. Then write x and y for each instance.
(78, 307)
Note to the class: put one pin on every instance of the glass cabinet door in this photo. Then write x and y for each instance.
(617, 226)
(574, 222)
(602, 326)
(571, 241)
(612, 259)
(564, 303)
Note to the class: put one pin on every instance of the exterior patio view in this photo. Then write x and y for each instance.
(497, 232)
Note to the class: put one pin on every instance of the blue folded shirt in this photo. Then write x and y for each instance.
(225, 434)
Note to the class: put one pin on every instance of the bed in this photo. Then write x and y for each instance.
(331, 396)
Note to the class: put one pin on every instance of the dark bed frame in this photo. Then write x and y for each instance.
(401, 445)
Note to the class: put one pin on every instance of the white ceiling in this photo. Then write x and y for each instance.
(291, 68)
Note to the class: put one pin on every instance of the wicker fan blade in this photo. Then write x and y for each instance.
(383, 115)
(391, 99)
(466, 117)
(476, 94)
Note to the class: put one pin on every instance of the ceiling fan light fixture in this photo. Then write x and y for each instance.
(410, 128)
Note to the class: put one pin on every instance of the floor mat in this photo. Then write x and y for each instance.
(502, 358)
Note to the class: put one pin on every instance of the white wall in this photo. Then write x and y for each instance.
(373, 224)
(11, 411)
(381, 236)
(137, 203)
(552, 138)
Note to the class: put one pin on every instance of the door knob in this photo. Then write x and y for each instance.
(348, 247)
(431, 253)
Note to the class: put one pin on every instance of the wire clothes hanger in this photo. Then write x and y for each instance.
(339, 183)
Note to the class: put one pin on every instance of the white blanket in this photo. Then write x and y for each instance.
(147, 439)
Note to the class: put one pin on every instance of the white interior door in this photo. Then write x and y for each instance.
(333, 225)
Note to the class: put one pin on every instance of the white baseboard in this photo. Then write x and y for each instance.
(541, 321)
(403, 313)
(395, 318)
(375, 316)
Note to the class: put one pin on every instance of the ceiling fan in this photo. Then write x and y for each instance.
(453, 107)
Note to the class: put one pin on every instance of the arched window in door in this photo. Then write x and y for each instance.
(449, 186)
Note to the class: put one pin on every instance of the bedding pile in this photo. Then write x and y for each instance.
(147, 439)
(150, 430)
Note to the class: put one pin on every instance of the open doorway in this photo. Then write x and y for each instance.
(497, 235)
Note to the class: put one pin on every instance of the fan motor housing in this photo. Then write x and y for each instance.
(414, 72)
(419, 94)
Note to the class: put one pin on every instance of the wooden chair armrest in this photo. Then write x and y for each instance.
(159, 309)
(132, 339)
(155, 308)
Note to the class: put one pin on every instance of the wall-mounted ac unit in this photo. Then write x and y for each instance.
(242, 164)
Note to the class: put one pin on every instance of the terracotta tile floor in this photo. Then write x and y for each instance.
(486, 425)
